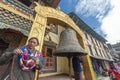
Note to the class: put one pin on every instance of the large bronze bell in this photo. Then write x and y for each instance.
(69, 45)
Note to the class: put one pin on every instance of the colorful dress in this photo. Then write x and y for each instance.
(26, 59)
(13, 70)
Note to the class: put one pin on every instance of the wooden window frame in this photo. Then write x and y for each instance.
(49, 61)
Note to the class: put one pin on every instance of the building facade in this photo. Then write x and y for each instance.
(115, 52)
(16, 20)
(99, 53)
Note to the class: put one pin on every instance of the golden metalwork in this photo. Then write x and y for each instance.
(15, 11)
(46, 14)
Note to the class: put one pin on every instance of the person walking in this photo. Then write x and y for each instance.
(78, 72)
(114, 74)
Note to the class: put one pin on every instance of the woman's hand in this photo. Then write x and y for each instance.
(18, 51)
(36, 60)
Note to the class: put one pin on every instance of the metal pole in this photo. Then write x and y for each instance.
(69, 64)
(36, 74)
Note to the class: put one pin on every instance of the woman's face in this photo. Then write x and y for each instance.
(32, 43)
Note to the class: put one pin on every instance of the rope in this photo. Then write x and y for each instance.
(12, 67)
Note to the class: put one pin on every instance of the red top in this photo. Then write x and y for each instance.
(115, 73)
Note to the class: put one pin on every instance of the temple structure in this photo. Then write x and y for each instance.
(22, 19)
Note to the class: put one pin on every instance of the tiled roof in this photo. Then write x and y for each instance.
(11, 20)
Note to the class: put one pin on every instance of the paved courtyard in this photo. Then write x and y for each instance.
(66, 77)
(104, 78)
(56, 77)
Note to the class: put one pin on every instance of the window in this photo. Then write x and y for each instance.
(92, 40)
(49, 59)
(90, 49)
(96, 52)
(86, 36)
(104, 53)
(117, 49)
(100, 45)
(49, 1)
(26, 2)
(96, 42)
(101, 53)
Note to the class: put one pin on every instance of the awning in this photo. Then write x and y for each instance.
(101, 58)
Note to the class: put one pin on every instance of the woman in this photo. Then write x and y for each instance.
(114, 73)
(22, 66)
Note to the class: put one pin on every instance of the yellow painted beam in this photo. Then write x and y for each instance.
(38, 29)
(88, 70)
(15, 11)
(58, 17)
